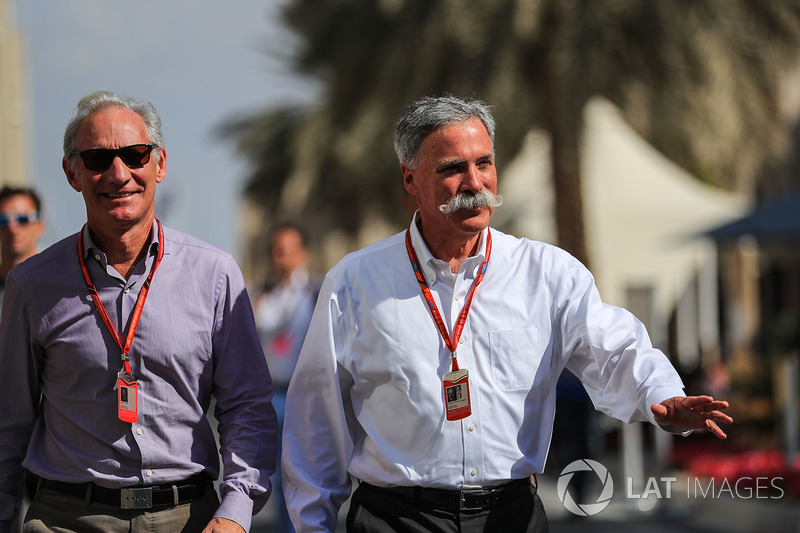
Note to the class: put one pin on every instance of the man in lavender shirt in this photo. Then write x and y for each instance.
(105, 405)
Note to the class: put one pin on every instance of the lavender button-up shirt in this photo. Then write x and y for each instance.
(196, 339)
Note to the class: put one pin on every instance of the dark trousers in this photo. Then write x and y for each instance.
(379, 510)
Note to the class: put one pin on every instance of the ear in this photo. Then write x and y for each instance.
(71, 175)
(408, 179)
(161, 166)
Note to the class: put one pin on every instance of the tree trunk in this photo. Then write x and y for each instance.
(566, 163)
(565, 94)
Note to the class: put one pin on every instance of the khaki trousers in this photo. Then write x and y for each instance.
(54, 512)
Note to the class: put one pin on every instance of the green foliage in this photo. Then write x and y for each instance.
(699, 78)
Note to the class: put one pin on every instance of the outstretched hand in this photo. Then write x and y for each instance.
(692, 412)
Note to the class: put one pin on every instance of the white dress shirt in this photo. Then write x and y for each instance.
(366, 398)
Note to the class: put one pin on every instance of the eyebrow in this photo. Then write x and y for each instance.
(449, 163)
(456, 162)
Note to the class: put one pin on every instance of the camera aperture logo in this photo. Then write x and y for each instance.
(585, 509)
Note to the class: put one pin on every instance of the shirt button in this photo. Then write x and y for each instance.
(432, 280)
(474, 472)
(458, 297)
(461, 340)
(150, 472)
(127, 290)
(472, 427)
(97, 256)
(138, 431)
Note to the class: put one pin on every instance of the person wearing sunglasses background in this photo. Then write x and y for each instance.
(21, 227)
(125, 332)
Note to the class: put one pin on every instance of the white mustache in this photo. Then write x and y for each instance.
(468, 200)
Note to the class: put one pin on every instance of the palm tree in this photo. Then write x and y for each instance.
(686, 72)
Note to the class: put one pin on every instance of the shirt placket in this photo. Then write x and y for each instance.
(127, 301)
(473, 471)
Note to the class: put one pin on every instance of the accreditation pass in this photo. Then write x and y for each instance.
(456, 394)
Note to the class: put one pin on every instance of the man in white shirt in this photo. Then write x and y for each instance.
(430, 367)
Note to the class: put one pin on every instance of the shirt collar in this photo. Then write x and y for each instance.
(89, 245)
(429, 263)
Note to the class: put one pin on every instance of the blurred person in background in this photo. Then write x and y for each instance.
(122, 334)
(430, 367)
(21, 227)
(283, 311)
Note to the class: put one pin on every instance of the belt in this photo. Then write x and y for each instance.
(463, 500)
(142, 497)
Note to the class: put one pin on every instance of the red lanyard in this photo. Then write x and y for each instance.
(137, 311)
(426, 291)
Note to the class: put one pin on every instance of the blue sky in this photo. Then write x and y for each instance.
(199, 62)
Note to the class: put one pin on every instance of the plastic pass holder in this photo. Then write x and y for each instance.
(127, 397)
(456, 394)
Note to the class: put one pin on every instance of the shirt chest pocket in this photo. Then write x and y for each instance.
(515, 356)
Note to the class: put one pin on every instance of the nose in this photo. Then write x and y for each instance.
(473, 179)
(118, 170)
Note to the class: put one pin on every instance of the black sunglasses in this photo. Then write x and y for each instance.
(99, 159)
(22, 219)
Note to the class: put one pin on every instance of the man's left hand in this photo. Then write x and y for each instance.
(223, 525)
(692, 412)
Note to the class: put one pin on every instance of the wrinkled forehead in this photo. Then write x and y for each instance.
(456, 141)
(112, 125)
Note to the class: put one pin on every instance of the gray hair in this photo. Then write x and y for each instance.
(99, 100)
(431, 113)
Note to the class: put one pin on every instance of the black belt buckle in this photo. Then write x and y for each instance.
(474, 500)
(136, 498)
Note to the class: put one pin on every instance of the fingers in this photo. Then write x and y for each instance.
(722, 417)
(658, 409)
(716, 405)
(714, 428)
(695, 401)
(704, 403)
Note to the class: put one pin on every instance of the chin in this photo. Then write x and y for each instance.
(476, 217)
(473, 226)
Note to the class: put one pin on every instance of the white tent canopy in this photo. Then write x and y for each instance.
(642, 213)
